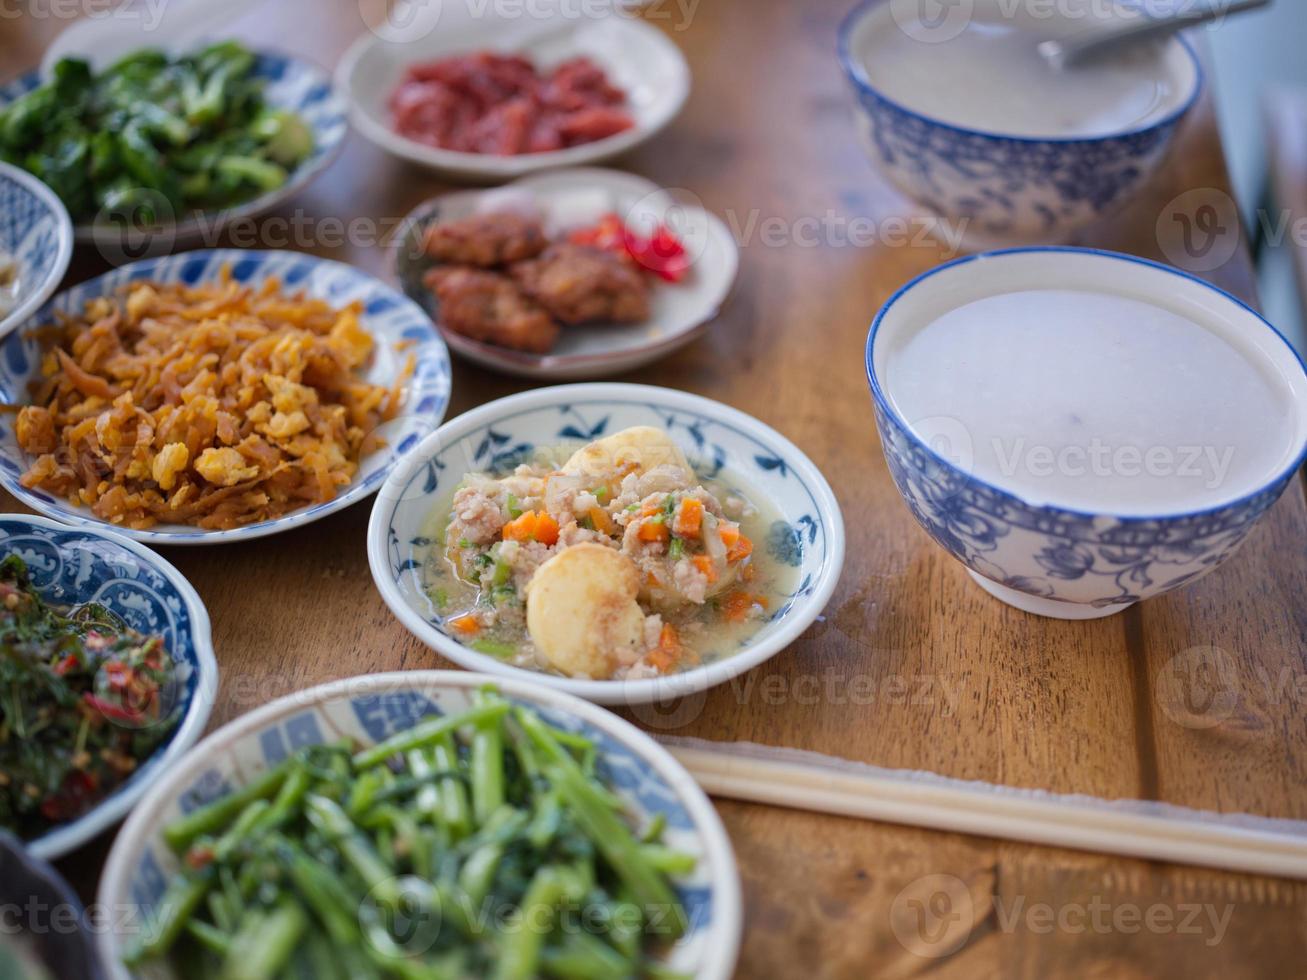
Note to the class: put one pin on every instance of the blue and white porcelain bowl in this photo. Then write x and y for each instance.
(290, 83)
(370, 709)
(1056, 561)
(399, 327)
(73, 566)
(718, 441)
(36, 235)
(997, 189)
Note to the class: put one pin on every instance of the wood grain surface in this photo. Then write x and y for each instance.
(1195, 698)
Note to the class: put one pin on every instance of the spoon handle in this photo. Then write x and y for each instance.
(1070, 51)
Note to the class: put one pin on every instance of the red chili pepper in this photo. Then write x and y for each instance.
(112, 711)
(65, 665)
(72, 798)
(662, 253)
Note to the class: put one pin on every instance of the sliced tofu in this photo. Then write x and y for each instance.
(635, 450)
(582, 613)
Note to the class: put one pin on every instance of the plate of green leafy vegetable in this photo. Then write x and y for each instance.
(107, 676)
(430, 825)
(165, 147)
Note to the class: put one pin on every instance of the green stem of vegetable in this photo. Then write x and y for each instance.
(520, 953)
(582, 956)
(220, 812)
(353, 846)
(428, 732)
(177, 904)
(266, 942)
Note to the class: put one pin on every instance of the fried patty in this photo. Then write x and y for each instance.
(485, 240)
(488, 306)
(580, 284)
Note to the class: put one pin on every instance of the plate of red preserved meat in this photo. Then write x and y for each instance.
(467, 103)
(579, 273)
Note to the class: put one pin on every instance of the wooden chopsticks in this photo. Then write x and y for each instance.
(1136, 828)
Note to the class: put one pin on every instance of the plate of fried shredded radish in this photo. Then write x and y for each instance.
(216, 395)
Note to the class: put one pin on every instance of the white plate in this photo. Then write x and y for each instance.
(808, 536)
(636, 57)
(642, 773)
(573, 198)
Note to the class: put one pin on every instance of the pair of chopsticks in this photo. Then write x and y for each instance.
(1135, 828)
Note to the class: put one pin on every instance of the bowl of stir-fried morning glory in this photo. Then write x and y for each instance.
(158, 148)
(426, 824)
(107, 676)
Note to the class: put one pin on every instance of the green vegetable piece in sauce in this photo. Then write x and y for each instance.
(514, 511)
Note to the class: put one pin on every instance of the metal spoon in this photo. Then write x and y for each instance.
(1070, 51)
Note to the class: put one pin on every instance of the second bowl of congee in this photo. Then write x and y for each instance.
(606, 553)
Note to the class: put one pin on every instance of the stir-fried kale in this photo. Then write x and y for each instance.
(155, 137)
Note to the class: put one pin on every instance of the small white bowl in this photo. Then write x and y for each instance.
(636, 57)
(76, 565)
(809, 535)
(368, 709)
(37, 234)
(680, 311)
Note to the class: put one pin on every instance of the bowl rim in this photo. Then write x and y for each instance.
(619, 692)
(210, 222)
(857, 75)
(42, 870)
(562, 366)
(727, 923)
(887, 405)
(21, 313)
(113, 808)
(359, 490)
(497, 168)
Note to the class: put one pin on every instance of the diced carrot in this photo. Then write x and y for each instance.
(602, 522)
(706, 565)
(729, 533)
(546, 529)
(741, 550)
(648, 510)
(467, 624)
(530, 526)
(669, 650)
(653, 531)
(737, 605)
(689, 518)
(748, 572)
(521, 528)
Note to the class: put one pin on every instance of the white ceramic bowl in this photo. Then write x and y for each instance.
(388, 316)
(35, 233)
(572, 198)
(1058, 561)
(76, 565)
(996, 188)
(636, 57)
(368, 709)
(809, 535)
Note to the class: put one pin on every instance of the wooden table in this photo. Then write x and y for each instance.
(913, 665)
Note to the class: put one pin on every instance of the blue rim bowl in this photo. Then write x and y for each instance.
(71, 566)
(1060, 561)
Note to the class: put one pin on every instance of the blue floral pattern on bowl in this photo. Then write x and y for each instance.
(290, 83)
(719, 442)
(73, 566)
(37, 236)
(998, 189)
(1093, 561)
(390, 317)
(370, 709)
